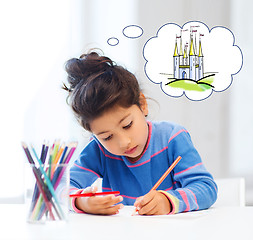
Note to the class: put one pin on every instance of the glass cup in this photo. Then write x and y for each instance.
(47, 197)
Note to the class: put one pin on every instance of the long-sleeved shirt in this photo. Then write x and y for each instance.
(188, 187)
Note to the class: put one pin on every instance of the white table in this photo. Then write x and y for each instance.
(214, 223)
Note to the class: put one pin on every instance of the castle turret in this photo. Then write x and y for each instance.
(181, 54)
(192, 62)
(196, 61)
(185, 57)
(201, 61)
(176, 62)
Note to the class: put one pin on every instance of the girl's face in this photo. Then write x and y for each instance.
(123, 131)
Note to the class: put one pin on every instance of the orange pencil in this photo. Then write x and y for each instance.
(164, 176)
(166, 173)
(56, 159)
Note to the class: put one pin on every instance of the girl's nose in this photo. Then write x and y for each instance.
(124, 141)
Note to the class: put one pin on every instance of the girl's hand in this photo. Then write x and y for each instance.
(104, 205)
(153, 203)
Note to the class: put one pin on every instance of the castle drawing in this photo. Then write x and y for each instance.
(190, 63)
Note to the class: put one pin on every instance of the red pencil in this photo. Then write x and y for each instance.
(94, 194)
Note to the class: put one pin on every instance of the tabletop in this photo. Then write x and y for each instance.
(213, 223)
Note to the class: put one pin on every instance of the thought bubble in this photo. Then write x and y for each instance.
(113, 41)
(192, 60)
(132, 31)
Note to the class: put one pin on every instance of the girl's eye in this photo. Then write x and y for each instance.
(107, 138)
(128, 125)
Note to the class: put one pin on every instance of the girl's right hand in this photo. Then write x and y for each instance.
(104, 205)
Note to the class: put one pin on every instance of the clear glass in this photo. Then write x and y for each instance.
(47, 198)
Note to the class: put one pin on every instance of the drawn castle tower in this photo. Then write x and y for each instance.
(188, 64)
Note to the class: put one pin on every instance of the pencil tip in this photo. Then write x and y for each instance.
(23, 144)
(72, 144)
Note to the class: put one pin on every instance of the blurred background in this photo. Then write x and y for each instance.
(38, 37)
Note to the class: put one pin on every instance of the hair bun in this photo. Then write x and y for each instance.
(97, 84)
(88, 65)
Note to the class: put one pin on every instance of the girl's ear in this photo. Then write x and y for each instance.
(143, 104)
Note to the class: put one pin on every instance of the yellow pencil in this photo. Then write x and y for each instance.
(57, 157)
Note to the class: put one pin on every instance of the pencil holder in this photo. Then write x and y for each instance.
(48, 197)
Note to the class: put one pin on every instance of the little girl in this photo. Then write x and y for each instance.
(128, 152)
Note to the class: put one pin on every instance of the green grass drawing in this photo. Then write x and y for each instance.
(201, 85)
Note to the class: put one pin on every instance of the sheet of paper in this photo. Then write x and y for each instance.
(128, 211)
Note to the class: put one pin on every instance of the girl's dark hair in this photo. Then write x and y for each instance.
(96, 85)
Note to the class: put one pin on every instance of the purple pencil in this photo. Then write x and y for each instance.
(65, 162)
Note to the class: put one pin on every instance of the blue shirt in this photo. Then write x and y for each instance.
(189, 186)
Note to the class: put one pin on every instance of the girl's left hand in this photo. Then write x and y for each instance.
(153, 203)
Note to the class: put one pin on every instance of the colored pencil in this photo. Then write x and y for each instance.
(70, 153)
(50, 161)
(163, 177)
(63, 154)
(57, 157)
(42, 151)
(94, 194)
(166, 173)
(45, 154)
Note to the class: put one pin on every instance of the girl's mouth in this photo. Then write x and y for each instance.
(130, 151)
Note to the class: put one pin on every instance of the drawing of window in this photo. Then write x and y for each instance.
(184, 75)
